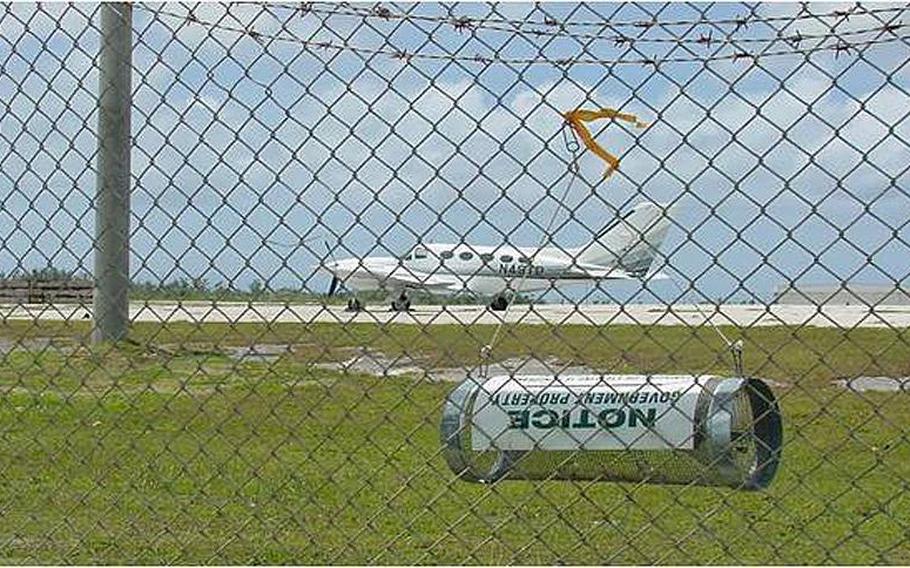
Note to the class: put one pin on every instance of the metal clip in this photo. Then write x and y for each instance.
(486, 353)
(736, 349)
(568, 138)
(572, 147)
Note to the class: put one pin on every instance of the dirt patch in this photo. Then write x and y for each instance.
(260, 352)
(376, 363)
(366, 361)
(514, 366)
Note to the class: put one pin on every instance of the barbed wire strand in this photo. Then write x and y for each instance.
(382, 12)
(556, 29)
(402, 54)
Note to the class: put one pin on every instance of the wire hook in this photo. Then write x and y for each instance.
(736, 348)
(569, 139)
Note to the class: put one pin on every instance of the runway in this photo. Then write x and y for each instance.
(838, 316)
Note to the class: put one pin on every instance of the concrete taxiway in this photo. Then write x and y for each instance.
(541, 314)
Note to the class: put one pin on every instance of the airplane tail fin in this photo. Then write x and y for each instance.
(631, 242)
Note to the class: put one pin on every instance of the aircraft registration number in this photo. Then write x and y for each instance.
(520, 270)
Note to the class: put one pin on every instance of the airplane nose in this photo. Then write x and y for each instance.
(339, 268)
(367, 267)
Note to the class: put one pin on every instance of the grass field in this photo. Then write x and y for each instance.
(174, 448)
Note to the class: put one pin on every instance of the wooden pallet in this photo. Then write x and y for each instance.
(25, 291)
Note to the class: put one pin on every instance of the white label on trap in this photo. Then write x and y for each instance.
(610, 412)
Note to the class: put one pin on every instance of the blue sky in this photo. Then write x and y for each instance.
(239, 140)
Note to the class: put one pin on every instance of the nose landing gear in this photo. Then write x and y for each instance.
(354, 305)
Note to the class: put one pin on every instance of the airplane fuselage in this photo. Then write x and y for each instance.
(450, 268)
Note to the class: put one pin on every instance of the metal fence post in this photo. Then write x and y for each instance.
(112, 201)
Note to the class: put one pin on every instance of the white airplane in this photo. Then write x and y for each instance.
(624, 249)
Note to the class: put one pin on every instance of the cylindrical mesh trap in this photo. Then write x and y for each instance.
(657, 428)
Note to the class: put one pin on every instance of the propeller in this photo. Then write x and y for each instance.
(333, 287)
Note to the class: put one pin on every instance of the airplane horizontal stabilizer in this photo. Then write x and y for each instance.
(657, 275)
(618, 274)
(605, 274)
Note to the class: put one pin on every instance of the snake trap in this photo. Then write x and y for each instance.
(667, 429)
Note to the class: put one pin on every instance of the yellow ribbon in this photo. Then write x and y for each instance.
(577, 118)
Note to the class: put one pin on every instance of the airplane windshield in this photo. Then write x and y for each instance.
(418, 253)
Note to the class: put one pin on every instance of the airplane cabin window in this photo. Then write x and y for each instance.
(505, 258)
(420, 253)
(465, 256)
(447, 254)
(486, 257)
(524, 260)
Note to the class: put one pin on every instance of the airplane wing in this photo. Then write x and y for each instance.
(596, 273)
(404, 277)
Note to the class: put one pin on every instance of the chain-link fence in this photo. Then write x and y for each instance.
(445, 283)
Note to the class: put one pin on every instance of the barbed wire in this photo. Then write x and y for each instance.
(558, 29)
(382, 12)
(839, 47)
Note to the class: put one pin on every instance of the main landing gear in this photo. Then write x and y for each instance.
(499, 304)
(402, 303)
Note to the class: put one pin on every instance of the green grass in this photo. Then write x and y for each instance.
(171, 450)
